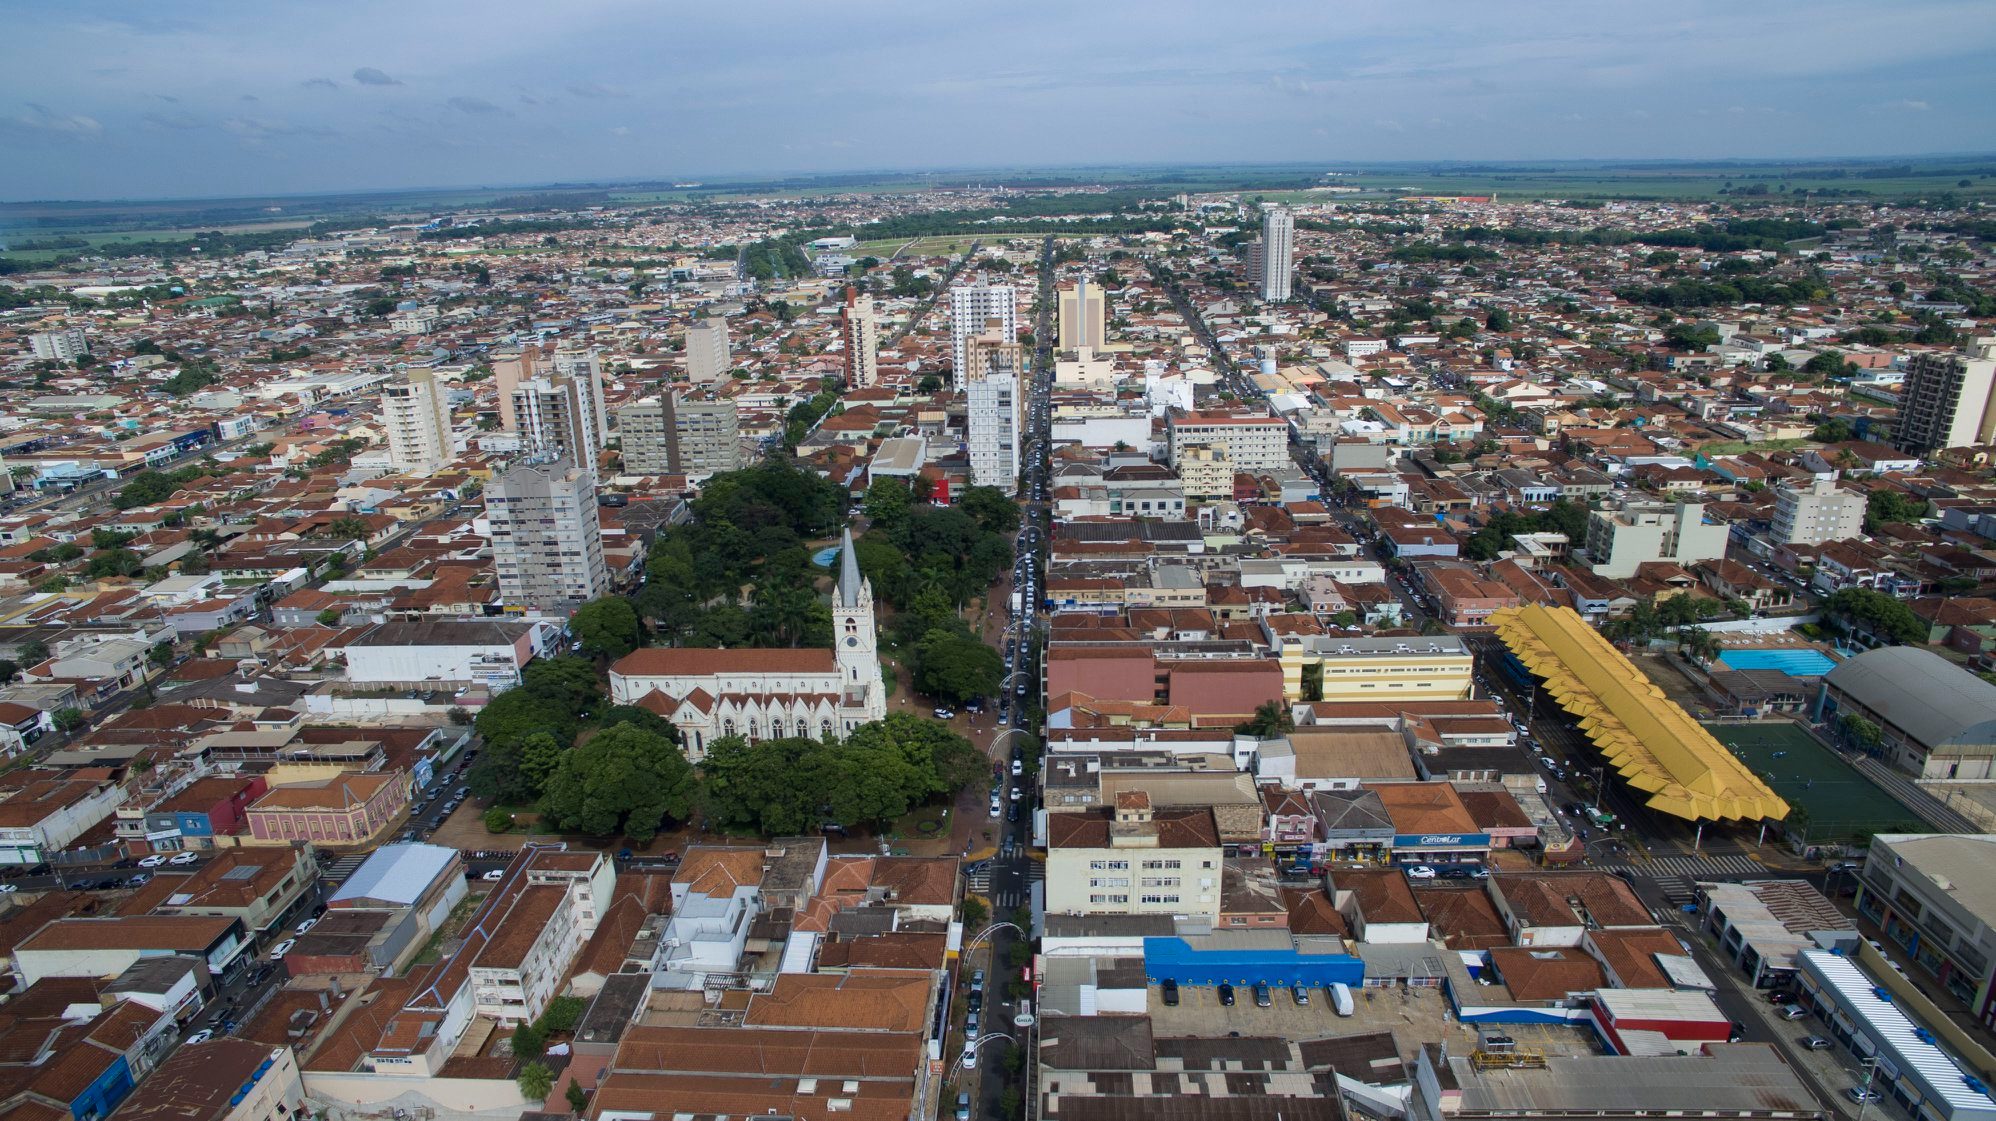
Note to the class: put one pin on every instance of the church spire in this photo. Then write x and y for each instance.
(848, 573)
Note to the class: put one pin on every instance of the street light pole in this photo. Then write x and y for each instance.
(1600, 780)
(1864, 1097)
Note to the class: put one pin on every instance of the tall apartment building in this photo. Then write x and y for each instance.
(546, 544)
(670, 435)
(1818, 512)
(65, 344)
(585, 368)
(1253, 442)
(978, 309)
(1083, 317)
(416, 412)
(707, 353)
(1620, 540)
(1278, 250)
(555, 415)
(862, 339)
(993, 410)
(1948, 400)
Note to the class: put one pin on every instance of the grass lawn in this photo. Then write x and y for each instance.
(1840, 802)
(1735, 447)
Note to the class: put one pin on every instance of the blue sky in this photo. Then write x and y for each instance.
(203, 97)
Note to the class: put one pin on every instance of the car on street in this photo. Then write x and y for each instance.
(494, 876)
(1018, 767)
(305, 927)
(1794, 1012)
(963, 1106)
(1420, 872)
(1860, 1095)
(1817, 1043)
(9, 889)
(278, 951)
(1227, 995)
(997, 806)
(202, 1036)
(1780, 996)
(969, 1054)
(943, 714)
(183, 858)
(977, 981)
(153, 861)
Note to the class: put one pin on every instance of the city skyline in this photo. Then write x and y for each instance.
(114, 100)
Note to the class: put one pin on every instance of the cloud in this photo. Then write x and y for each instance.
(255, 130)
(369, 76)
(620, 130)
(593, 89)
(321, 83)
(42, 119)
(168, 98)
(175, 119)
(477, 107)
(1299, 87)
(1911, 105)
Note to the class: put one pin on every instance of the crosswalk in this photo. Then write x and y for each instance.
(1007, 897)
(341, 869)
(1710, 866)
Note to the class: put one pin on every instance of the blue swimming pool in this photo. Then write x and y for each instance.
(1794, 663)
(823, 558)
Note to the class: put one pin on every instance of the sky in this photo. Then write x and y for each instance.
(209, 98)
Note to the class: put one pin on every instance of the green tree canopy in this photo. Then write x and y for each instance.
(1877, 612)
(1885, 506)
(956, 667)
(607, 627)
(624, 779)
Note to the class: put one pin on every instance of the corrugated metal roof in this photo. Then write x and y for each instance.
(1899, 1039)
(1652, 742)
(397, 873)
(1931, 698)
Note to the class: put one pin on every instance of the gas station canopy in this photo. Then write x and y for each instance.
(1646, 737)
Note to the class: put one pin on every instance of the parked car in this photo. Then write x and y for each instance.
(153, 861)
(1018, 767)
(202, 1036)
(963, 1106)
(1794, 1012)
(1170, 992)
(970, 1056)
(278, 951)
(494, 876)
(1817, 1043)
(183, 858)
(1780, 996)
(305, 927)
(1420, 872)
(1262, 996)
(1300, 994)
(1861, 1095)
(1227, 995)
(977, 981)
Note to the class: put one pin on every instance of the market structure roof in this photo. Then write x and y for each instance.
(1647, 738)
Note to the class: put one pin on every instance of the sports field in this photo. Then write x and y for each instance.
(1838, 803)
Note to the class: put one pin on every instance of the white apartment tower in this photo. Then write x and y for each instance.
(992, 411)
(555, 416)
(65, 344)
(416, 412)
(1818, 512)
(546, 544)
(1083, 317)
(1278, 247)
(978, 309)
(862, 339)
(707, 354)
(585, 368)
(671, 435)
(1949, 400)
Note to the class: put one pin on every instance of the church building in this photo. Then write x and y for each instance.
(759, 693)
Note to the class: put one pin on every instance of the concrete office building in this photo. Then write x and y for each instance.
(1934, 895)
(1948, 400)
(555, 416)
(1133, 860)
(1083, 317)
(862, 339)
(978, 309)
(670, 435)
(416, 414)
(65, 344)
(1818, 512)
(993, 412)
(1618, 541)
(1278, 250)
(1252, 442)
(707, 353)
(546, 544)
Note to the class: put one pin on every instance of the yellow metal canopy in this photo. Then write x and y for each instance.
(1651, 742)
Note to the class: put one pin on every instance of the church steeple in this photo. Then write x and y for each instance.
(849, 578)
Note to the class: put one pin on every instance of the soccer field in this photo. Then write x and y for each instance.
(1839, 802)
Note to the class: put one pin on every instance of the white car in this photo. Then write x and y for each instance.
(996, 808)
(9, 889)
(278, 951)
(183, 858)
(970, 1056)
(305, 927)
(202, 1036)
(494, 876)
(152, 861)
(1420, 872)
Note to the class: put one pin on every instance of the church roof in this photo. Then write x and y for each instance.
(663, 661)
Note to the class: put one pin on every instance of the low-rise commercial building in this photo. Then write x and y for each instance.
(1934, 895)
(1133, 860)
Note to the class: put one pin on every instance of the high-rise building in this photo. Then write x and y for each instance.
(978, 309)
(1818, 512)
(415, 410)
(992, 410)
(668, 435)
(65, 344)
(1949, 399)
(1083, 317)
(546, 545)
(1278, 247)
(507, 374)
(555, 415)
(707, 354)
(862, 339)
(585, 368)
